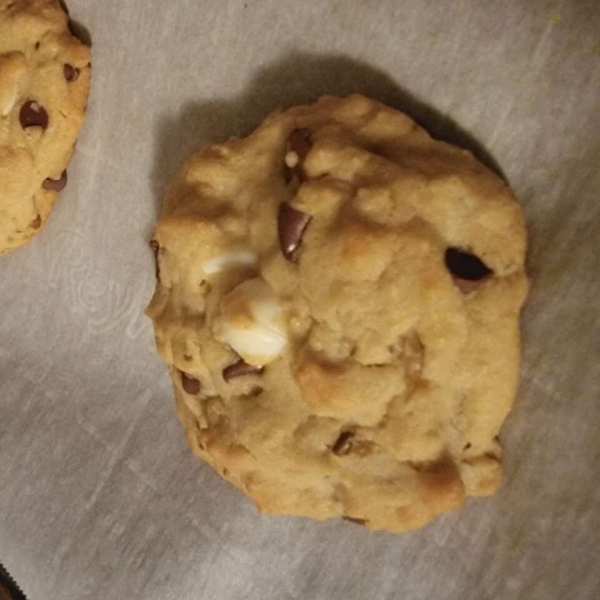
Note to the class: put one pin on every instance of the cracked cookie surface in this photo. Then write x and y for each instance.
(44, 83)
(338, 298)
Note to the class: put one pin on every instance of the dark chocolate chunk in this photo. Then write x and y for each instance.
(71, 73)
(343, 444)
(465, 265)
(56, 185)
(240, 369)
(33, 114)
(468, 271)
(291, 224)
(190, 384)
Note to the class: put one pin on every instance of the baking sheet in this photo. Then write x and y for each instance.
(99, 496)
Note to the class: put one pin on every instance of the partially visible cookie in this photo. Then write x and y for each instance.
(44, 84)
(338, 302)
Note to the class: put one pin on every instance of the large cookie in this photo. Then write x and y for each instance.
(338, 299)
(44, 83)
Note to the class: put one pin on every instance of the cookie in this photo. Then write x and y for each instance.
(44, 83)
(337, 300)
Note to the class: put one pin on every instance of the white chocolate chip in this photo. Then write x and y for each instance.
(292, 159)
(8, 97)
(252, 323)
(236, 257)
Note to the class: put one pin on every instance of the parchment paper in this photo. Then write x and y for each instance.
(99, 496)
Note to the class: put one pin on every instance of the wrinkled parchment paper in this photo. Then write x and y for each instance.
(99, 496)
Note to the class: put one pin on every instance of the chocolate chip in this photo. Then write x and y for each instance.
(239, 369)
(467, 269)
(298, 146)
(154, 245)
(190, 384)
(71, 73)
(56, 185)
(291, 224)
(355, 520)
(343, 444)
(465, 265)
(33, 115)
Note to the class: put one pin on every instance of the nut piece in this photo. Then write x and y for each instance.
(251, 322)
(291, 224)
(234, 258)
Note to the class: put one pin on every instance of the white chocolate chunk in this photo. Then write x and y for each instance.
(251, 322)
(236, 257)
(14, 69)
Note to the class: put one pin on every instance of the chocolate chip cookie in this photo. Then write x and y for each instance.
(337, 300)
(44, 83)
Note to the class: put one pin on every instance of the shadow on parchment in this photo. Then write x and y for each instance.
(295, 79)
(81, 32)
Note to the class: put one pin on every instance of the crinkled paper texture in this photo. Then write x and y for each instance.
(99, 496)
